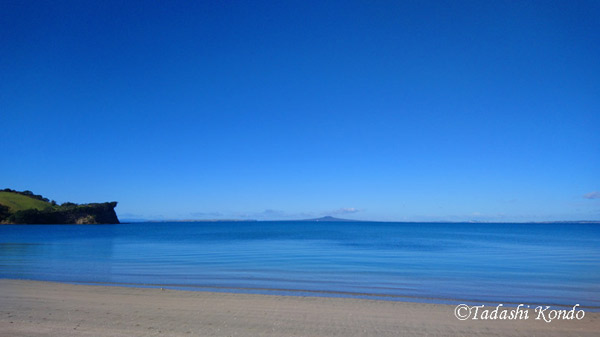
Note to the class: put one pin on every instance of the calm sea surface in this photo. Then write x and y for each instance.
(500, 263)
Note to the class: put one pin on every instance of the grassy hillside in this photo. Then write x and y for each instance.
(18, 202)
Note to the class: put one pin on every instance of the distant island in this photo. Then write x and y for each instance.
(331, 219)
(28, 208)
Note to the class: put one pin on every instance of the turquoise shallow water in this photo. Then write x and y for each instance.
(500, 263)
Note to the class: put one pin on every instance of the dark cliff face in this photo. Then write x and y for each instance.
(102, 213)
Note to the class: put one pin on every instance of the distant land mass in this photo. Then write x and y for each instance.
(331, 219)
(28, 208)
(334, 219)
(322, 219)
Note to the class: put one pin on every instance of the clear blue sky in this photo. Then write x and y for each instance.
(405, 110)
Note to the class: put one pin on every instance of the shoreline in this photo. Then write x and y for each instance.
(42, 308)
(315, 293)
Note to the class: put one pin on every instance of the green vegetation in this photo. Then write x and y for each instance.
(18, 202)
(28, 208)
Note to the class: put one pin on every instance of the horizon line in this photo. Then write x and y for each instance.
(334, 219)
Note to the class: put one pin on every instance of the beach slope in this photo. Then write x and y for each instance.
(33, 308)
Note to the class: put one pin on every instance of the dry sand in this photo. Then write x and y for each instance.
(32, 308)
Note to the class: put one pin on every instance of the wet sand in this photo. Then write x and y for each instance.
(34, 308)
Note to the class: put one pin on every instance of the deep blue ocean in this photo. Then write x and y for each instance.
(554, 264)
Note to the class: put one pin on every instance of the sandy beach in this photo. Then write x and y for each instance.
(33, 308)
